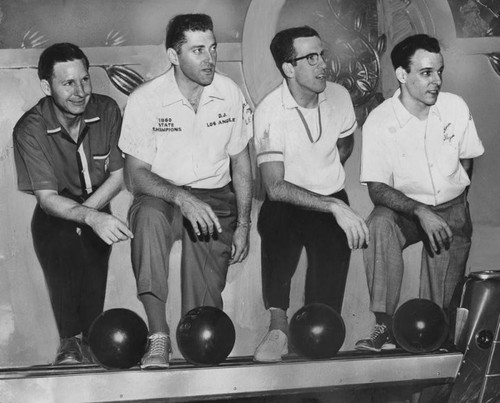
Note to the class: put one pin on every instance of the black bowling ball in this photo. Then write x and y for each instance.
(205, 336)
(420, 326)
(317, 331)
(118, 338)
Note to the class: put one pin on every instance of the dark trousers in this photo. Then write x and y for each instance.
(75, 269)
(285, 229)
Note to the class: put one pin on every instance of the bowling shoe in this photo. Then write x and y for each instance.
(158, 352)
(380, 339)
(70, 352)
(273, 347)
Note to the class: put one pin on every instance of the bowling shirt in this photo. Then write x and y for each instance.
(187, 148)
(305, 140)
(420, 158)
(48, 159)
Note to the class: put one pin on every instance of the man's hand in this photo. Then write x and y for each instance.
(109, 228)
(240, 245)
(200, 215)
(353, 225)
(437, 230)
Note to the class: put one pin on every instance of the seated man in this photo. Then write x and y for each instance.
(303, 136)
(182, 132)
(417, 162)
(66, 154)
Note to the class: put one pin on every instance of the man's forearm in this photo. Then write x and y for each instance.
(242, 182)
(65, 208)
(143, 181)
(287, 192)
(384, 195)
(105, 193)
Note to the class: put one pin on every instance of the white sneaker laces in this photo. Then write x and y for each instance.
(159, 344)
(378, 330)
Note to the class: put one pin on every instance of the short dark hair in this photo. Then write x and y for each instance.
(282, 47)
(403, 52)
(181, 23)
(58, 53)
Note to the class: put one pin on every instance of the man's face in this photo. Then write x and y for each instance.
(311, 79)
(198, 57)
(424, 80)
(70, 87)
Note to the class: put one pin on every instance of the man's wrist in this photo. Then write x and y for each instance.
(244, 223)
(419, 209)
(90, 216)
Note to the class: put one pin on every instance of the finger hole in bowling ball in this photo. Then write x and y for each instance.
(205, 336)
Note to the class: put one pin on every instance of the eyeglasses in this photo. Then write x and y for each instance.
(312, 58)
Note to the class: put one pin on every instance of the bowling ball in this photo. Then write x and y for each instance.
(420, 326)
(317, 331)
(118, 338)
(205, 336)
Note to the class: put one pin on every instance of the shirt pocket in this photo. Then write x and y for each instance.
(101, 164)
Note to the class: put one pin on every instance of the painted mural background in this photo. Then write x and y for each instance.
(95, 23)
(476, 18)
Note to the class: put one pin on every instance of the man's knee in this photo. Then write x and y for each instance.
(150, 212)
(381, 218)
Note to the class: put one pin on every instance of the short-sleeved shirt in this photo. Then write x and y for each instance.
(420, 158)
(48, 159)
(305, 140)
(187, 148)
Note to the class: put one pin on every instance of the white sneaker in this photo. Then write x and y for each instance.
(158, 352)
(273, 347)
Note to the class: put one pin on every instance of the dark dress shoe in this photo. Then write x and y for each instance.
(70, 352)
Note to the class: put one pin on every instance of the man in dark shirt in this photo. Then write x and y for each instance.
(66, 155)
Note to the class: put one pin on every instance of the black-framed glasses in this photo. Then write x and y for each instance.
(312, 58)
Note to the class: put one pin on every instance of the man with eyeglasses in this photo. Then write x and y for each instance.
(303, 135)
(185, 136)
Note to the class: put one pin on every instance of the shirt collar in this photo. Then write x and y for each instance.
(174, 94)
(52, 123)
(403, 115)
(289, 101)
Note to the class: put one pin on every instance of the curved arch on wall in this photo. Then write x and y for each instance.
(259, 70)
(437, 19)
(399, 18)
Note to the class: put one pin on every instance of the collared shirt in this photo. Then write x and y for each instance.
(420, 158)
(305, 140)
(48, 159)
(187, 148)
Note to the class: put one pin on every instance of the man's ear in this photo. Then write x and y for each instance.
(45, 85)
(401, 75)
(172, 56)
(288, 69)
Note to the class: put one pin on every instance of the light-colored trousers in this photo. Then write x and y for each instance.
(391, 233)
(157, 224)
